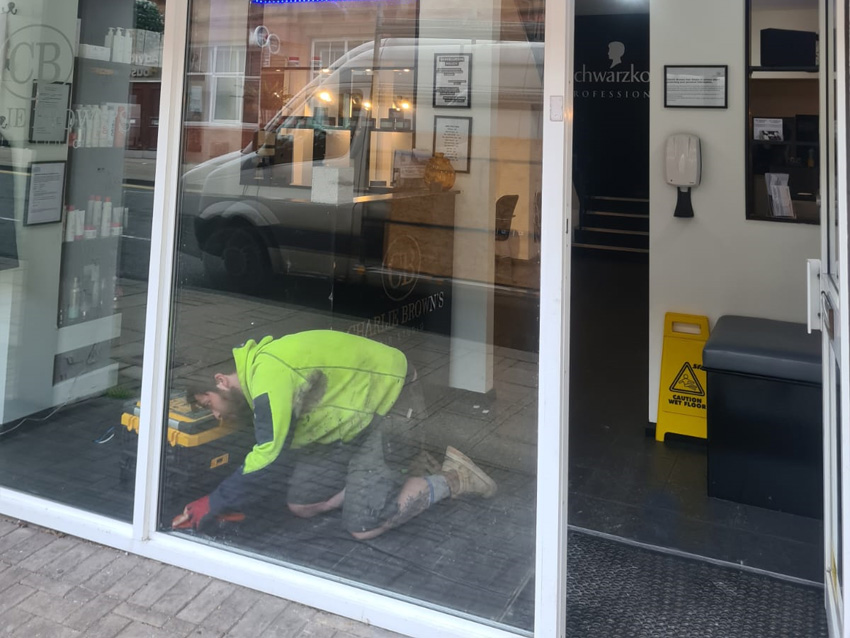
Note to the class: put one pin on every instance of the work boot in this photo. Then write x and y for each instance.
(423, 464)
(471, 479)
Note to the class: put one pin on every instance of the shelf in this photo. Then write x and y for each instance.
(785, 143)
(805, 70)
(783, 220)
(783, 75)
(88, 333)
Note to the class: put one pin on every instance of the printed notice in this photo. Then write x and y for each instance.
(451, 138)
(47, 181)
(452, 79)
(50, 112)
(695, 87)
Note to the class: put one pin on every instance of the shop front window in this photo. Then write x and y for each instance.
(75, 224)
(356, 315)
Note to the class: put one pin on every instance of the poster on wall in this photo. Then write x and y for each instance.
(49, 119)
(452, 79)
(452, 138)
(695, 87)
(45, 193)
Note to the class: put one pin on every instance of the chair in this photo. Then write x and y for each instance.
(505, 207)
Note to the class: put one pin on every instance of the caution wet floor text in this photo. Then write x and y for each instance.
(681, 397)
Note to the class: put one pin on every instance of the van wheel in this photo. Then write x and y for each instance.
(245, 261)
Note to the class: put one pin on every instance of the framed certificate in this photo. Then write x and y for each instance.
(695, 87)
(452, 80)
(452, 138)
(45, 193)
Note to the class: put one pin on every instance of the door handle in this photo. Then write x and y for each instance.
(828, 315)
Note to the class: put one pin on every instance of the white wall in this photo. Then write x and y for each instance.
(718, 262)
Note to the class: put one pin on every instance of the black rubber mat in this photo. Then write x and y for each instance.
(618, 590)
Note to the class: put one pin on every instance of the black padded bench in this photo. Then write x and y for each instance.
(764, 414)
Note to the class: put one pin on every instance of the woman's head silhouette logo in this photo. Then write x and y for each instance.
(615, 53)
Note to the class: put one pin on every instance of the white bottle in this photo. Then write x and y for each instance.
(80, 228)
(90, 228)
(70, 223)
(95, 285)
(117, 218)
(106, 218)
(126, 47)
(74, 301)
(109, 40)
(91, 126)
(97, 214)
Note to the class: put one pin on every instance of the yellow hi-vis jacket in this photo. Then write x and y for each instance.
(318, 386)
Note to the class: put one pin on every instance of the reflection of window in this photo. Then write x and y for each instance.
(217, 84)
(326, 52)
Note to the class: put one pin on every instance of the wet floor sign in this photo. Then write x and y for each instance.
(681, 396)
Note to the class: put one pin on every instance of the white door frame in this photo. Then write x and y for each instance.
(141, 537)
(835, 319)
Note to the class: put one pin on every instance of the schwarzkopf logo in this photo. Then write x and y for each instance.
(616, 51)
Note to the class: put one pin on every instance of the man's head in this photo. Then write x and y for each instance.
(616, 50)
(222, 395)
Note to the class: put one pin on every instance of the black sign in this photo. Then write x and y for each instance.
(611, 105)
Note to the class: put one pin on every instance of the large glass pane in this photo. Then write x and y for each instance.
(79, 98)
(356, 316)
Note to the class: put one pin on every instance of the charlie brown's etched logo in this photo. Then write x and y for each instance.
(401, 267)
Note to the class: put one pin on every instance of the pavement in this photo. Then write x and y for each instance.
(57, 586)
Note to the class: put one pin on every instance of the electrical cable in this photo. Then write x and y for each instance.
(88, 360)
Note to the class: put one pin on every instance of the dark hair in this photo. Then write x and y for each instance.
(202, 381)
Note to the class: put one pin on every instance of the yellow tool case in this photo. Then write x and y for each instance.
(200, 450)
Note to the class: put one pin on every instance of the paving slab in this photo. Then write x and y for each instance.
(67, 587)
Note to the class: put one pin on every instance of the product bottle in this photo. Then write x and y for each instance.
(106, 218)
(80, 224)
(90, 228)
(70, 223)
(97, 214)
(117, 218)
(126, 47)
(95, 285)
(91, 126)
(120, 137)
(74, 302)
(108, 42)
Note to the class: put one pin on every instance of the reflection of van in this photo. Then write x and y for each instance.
(256, 210)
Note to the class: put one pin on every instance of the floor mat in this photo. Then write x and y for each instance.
(620, 590)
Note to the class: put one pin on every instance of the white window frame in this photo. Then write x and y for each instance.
(141, 537)
(213, 76)
(317, 43)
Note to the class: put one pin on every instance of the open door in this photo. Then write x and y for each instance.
(833, 306)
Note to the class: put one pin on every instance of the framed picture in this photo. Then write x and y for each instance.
(49, 117)
(45, 193)
(696, 86)
(452, 80)
(452, 138)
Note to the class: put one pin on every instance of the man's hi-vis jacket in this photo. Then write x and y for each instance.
(319, 386)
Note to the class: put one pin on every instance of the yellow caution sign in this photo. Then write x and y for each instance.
(681, 396)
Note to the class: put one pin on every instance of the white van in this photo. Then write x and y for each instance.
(370, 116)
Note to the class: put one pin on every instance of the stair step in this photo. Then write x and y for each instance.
(619, 249)
(612, 238)
(633, 205)
(622, 221)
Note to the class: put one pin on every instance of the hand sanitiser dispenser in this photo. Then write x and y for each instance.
(682, 169)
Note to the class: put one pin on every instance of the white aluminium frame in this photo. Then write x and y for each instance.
(141, 537)
(836, 595)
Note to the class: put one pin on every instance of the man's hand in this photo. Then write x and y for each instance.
(196, 514)
(193, 514)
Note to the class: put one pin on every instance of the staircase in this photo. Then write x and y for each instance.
(614, 223)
